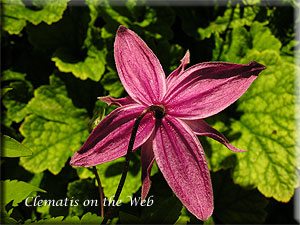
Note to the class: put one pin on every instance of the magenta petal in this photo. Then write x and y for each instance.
(109, 140)
(207, 88)
(200, 127)
(119, 102)
(139, 69)
(181, 159)
(173, 76)
(147, 158)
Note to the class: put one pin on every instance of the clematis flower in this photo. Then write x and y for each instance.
(167, 135)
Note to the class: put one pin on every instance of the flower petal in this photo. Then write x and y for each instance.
(181, 159)
(207, 88)
(117, 101)
(139, 69)
(200, 127)
(109, 140)
(147, 158)
(173, 76)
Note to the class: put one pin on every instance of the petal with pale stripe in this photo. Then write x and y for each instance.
(207, 88)
(181, 159)
(139, 69)
(109, 140)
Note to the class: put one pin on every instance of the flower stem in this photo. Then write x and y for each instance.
(155, 108)
(100, 190)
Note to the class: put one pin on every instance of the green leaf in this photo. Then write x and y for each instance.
(110, 174)
(52, 220)
(68, 33)
(237, 46)
(263, 38)
(16, 13)
(91, 218)
(233, 18)
(13, 148)
(84, 173)
(92, 67)
(239, 43)
(267, 129)
(54, 130)
(8, 75)
(112, 84)
(184, 218)
(16, 191)
(87, 218)
(16, 99)
(6, 219)
(217, 155)
(235, 205)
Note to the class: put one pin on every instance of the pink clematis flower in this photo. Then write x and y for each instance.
(169, 135)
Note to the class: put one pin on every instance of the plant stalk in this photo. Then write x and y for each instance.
(159, 109)
(100, 190)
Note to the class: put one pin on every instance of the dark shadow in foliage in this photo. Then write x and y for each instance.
(83, 93)
(21, 56)
(234, 204)
(69, 33)
(282, 23)
(281, 213)
(56, 187)
(165, 209)
(86, 192)
(187, 33)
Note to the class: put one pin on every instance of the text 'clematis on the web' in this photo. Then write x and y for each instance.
(178, 104)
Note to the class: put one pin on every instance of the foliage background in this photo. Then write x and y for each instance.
(57, 58)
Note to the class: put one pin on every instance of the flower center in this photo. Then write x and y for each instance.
(158, 111)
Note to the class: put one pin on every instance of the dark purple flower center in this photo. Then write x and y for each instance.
(158, 111)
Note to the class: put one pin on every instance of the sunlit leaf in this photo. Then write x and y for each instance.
(266, 127)
(12, 148)
(16, 14)
(184, 218)
(54, 130)
(16, 191)
(232, 18)
(91, 218)
(87, 218)
(92, 67)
